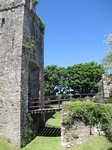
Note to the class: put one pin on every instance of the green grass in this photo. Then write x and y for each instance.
(100, 143)
(55, 120)
(6, 146)
(44, 143)
(54, 143)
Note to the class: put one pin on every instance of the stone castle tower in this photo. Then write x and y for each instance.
(21, 70)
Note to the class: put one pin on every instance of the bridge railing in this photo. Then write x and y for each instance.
(47, 104)
(56, 101)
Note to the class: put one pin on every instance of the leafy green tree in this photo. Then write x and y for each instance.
(51, 80)
(84, 78)
(79, 78)
(62, 80)
(55, 80)
(107, 60)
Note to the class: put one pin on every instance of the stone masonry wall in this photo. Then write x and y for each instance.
(11, 30)
(32, 78)
(10, 3)
(105, 89)
(107, 85)
(77, 133)
(21, 49)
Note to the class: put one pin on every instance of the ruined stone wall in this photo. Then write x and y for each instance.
(106, 85)
(11, 30)
(77, 132)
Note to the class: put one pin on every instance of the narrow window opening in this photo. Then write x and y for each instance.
(36, 34)
(3, 22)
(12, 42)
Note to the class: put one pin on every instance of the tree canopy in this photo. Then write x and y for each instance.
(107, 60)
(84, 78)
(79, 78)
(55, 80)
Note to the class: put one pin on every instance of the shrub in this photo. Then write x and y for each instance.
(107, 100)
(96, 98)
(91, 114)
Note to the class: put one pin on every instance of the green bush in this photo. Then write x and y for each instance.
(107, 100)
(96, 98)
(91, 114)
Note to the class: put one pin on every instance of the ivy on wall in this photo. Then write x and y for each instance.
(91, 114)
(41, 25)
(29, 131)
(35, 2)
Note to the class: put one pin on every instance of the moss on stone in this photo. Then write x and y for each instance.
(41, 25)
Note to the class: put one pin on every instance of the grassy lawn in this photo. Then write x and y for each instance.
(6, 146)
(44, 143)
(100, 143)
(54, 143)
(55, 120)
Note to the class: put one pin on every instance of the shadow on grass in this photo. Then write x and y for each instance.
(110, 148)
(50, 132)
(48, 116)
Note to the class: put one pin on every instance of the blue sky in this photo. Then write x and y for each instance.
(75, 30)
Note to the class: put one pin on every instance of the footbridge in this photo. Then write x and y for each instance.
(53, 103)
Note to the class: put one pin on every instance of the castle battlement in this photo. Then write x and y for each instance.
(9, 4)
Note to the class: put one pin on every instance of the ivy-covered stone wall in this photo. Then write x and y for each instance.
(82, 121)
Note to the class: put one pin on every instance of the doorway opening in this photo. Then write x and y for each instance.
(33, 83)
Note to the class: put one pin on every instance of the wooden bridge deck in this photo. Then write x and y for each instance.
(44, 110)
(36, 107)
